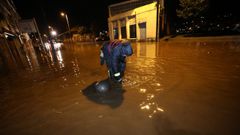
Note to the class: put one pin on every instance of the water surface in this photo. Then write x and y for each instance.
(170, 88)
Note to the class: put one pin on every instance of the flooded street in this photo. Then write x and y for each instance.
(169, 88)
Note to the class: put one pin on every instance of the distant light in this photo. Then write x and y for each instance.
(62, 14)
(53, 33)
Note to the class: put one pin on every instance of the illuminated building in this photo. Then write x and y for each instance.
(135, 19)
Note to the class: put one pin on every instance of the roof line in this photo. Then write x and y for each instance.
(125, 2)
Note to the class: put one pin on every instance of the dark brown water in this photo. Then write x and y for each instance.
(170, 88)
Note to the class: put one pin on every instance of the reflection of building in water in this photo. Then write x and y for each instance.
(146, 50)
(150, 72)
(30, 52)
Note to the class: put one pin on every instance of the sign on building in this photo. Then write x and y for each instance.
(29, 26)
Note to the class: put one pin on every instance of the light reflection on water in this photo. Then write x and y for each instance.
(157, 69)
(175, 80)
(145, 75)
(150, 105)
(76, 69)
(60, 59)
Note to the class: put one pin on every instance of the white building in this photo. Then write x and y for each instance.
(134, 19)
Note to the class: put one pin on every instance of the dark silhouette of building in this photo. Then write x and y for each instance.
(10, 41)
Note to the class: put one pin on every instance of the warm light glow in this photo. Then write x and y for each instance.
(62, 14)
(53, 33)
(160, 109)
(57, 46)
(60, 59)
(147, 107)
(142, 90)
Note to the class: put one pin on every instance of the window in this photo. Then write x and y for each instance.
(115, 32)
(133, 31)
(123, 31)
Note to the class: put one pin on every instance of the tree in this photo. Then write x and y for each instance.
(191, 8)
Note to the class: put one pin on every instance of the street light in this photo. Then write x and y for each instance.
(53, 33)
(64, 14)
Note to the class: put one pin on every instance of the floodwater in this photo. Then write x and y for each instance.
(169, 88)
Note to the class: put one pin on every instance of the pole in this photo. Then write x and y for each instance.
(69, 30)
(67, 23)
(161, 20)
(157, 23)
(40, 37)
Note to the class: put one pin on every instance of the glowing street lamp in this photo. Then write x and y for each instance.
(66, 17)
(53, 33)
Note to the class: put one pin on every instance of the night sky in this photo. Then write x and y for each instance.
(47, 12)
(226, 6)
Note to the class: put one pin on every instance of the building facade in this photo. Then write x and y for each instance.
(11, 47)
(134, 19)
(8, 17)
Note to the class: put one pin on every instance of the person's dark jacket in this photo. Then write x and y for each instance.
(113, 54)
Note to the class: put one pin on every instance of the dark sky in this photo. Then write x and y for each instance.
(80, 12)
(226, 6)
(87, 12)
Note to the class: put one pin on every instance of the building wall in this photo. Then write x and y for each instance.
(10, 46)
(9, 17)
(144, 14)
